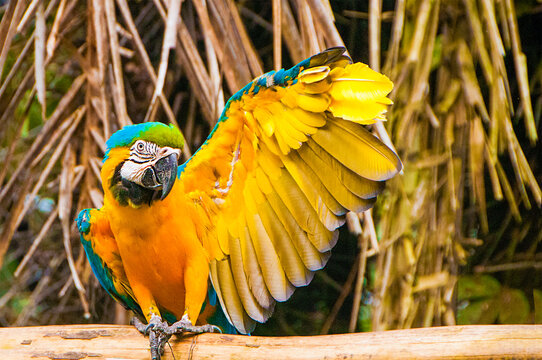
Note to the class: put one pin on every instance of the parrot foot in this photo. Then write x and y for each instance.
(185, 325)
(160, 332)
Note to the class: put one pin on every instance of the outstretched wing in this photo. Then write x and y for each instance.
(104, 257)
(274, 180)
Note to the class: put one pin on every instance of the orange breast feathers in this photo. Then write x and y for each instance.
(165, 263)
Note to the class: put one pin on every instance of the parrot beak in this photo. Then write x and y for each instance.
(162, 174)
(166, 172)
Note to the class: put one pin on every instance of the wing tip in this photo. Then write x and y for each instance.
(397, 167)
(328, 56)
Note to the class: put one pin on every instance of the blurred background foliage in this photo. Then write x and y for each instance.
(455, 239)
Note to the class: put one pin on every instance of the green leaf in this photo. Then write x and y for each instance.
(6, 272)
(477, 287)
(365, 318)
(477, 312)
(537, 294)
(20, 302)
(514, 307)
(437, 53)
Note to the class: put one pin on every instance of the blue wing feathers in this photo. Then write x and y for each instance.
(220, 320)
(100, 269)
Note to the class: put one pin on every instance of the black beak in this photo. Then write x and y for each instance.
(166, 172)
(163, 173)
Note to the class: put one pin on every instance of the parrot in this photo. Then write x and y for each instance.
(212, 243)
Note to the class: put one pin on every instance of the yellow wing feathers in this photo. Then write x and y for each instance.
(278, 176)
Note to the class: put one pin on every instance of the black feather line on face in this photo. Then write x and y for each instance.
(125, 191)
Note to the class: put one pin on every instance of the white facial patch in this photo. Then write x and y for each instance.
(133, 172)
(144, 154)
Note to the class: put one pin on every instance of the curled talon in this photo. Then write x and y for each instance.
(156, 324)
(215, 329)
(149, 327)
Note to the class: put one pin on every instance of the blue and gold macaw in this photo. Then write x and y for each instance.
(254, 212)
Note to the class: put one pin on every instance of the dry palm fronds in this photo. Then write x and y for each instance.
(75, 71)
(454, 129)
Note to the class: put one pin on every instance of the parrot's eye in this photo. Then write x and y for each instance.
(140, 146)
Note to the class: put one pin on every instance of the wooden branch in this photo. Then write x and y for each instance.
(124, 342)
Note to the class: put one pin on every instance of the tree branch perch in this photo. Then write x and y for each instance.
(76, 342)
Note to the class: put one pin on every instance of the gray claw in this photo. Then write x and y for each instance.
(159, 332)
(156, 324)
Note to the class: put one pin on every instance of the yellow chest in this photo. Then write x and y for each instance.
(157, 244)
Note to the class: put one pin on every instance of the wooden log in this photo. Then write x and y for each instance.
(76, 342)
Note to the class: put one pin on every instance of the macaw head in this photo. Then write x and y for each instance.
(140, 163)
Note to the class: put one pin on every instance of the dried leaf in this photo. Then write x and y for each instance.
(118, 91)
(39, 58)
(168, 43)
